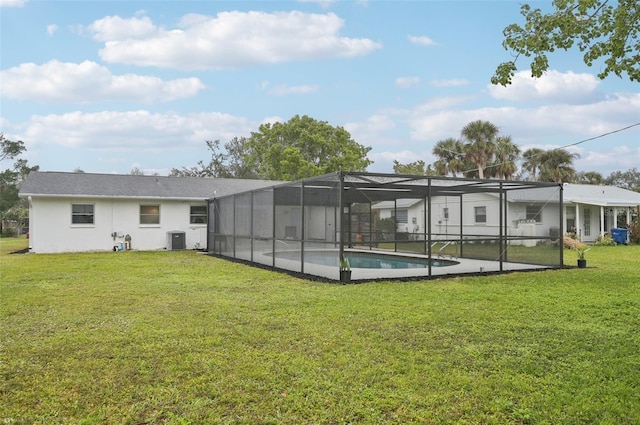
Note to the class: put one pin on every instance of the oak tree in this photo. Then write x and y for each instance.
(601, 29)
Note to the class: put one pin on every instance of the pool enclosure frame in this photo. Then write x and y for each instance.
(287, 226)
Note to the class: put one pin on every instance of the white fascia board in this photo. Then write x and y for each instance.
(39, 195)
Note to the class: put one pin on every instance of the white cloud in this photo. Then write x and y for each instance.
(89, 82)
(283, 89)
(323, 3)
(553, 85)
(12, 3)
(51, 29)
(528, 125)
(112, 29)
(406, 82)
(228, 40)
(421, 40)
(132, 131)
(547, 127)
(449, 83)
(272, 120)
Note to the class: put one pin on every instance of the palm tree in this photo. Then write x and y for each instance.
(480, 147)
(507, 153)
(450, 155)
(557, 166)
(532, 161)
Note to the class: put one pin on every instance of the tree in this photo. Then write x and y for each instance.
(601, 29)
(480, 145)
(557, 166)
(506, 155)
(589, 177)
(10, 179)
(10, 149)
(303, 147)
(417, 168)
(450, 153)
(629, 179)
(227, 162)
(532, 161)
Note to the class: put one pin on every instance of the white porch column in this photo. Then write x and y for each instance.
(602, 213)
(615, 218)
(628, 215)
(578, 227)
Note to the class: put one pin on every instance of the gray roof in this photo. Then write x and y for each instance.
(60, 184)
(606, 196)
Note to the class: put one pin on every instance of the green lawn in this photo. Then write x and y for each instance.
(183, 338)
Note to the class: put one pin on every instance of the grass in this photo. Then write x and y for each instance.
(183, 338)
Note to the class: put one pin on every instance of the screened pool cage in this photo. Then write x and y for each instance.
(366, 226)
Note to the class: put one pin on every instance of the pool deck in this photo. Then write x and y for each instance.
(463, 266)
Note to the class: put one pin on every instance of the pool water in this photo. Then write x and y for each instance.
(365, 260)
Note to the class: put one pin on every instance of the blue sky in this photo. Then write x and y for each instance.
(107, 86)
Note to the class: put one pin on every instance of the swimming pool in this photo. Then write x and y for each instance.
(370, 260)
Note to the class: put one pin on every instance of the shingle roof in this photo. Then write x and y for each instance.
(48, 183)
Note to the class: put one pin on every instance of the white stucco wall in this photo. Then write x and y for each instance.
(51, 230)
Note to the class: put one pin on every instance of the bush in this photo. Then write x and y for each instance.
(634, 232)
(605, 240)
(571, 243)
(9, 232)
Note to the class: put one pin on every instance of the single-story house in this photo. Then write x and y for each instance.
(102, 212)
(589, 211)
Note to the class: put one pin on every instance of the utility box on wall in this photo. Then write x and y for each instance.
(176, 240)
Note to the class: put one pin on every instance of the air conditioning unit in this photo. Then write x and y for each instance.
(176, 240)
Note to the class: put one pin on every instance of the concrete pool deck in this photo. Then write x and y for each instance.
(463, 266)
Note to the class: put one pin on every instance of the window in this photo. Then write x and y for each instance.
(401, 216)
(445, 213)
(198, 214)
(534, 213)
(82, 214)
(149, 214)
(481, 214)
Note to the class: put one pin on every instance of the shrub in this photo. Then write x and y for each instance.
(605, 240)
(571, 243)
(634, 232)
(9, 232)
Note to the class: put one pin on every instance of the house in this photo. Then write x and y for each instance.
(589, 211)
(593, 210)
(102, 212)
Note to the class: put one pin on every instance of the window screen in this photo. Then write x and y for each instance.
(481, 214)
(198, 214)
(401, 216)
(149, 214)
(534, 212)
(82, 213)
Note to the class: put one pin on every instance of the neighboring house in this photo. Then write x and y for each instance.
(97, 212)
(594, 210)
(589, 211)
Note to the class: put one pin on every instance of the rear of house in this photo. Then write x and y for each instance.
(75, 212)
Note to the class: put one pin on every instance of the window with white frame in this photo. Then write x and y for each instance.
(481, 214)
(149, 214)
(82, 214)
(198, 214)
(534, 213)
